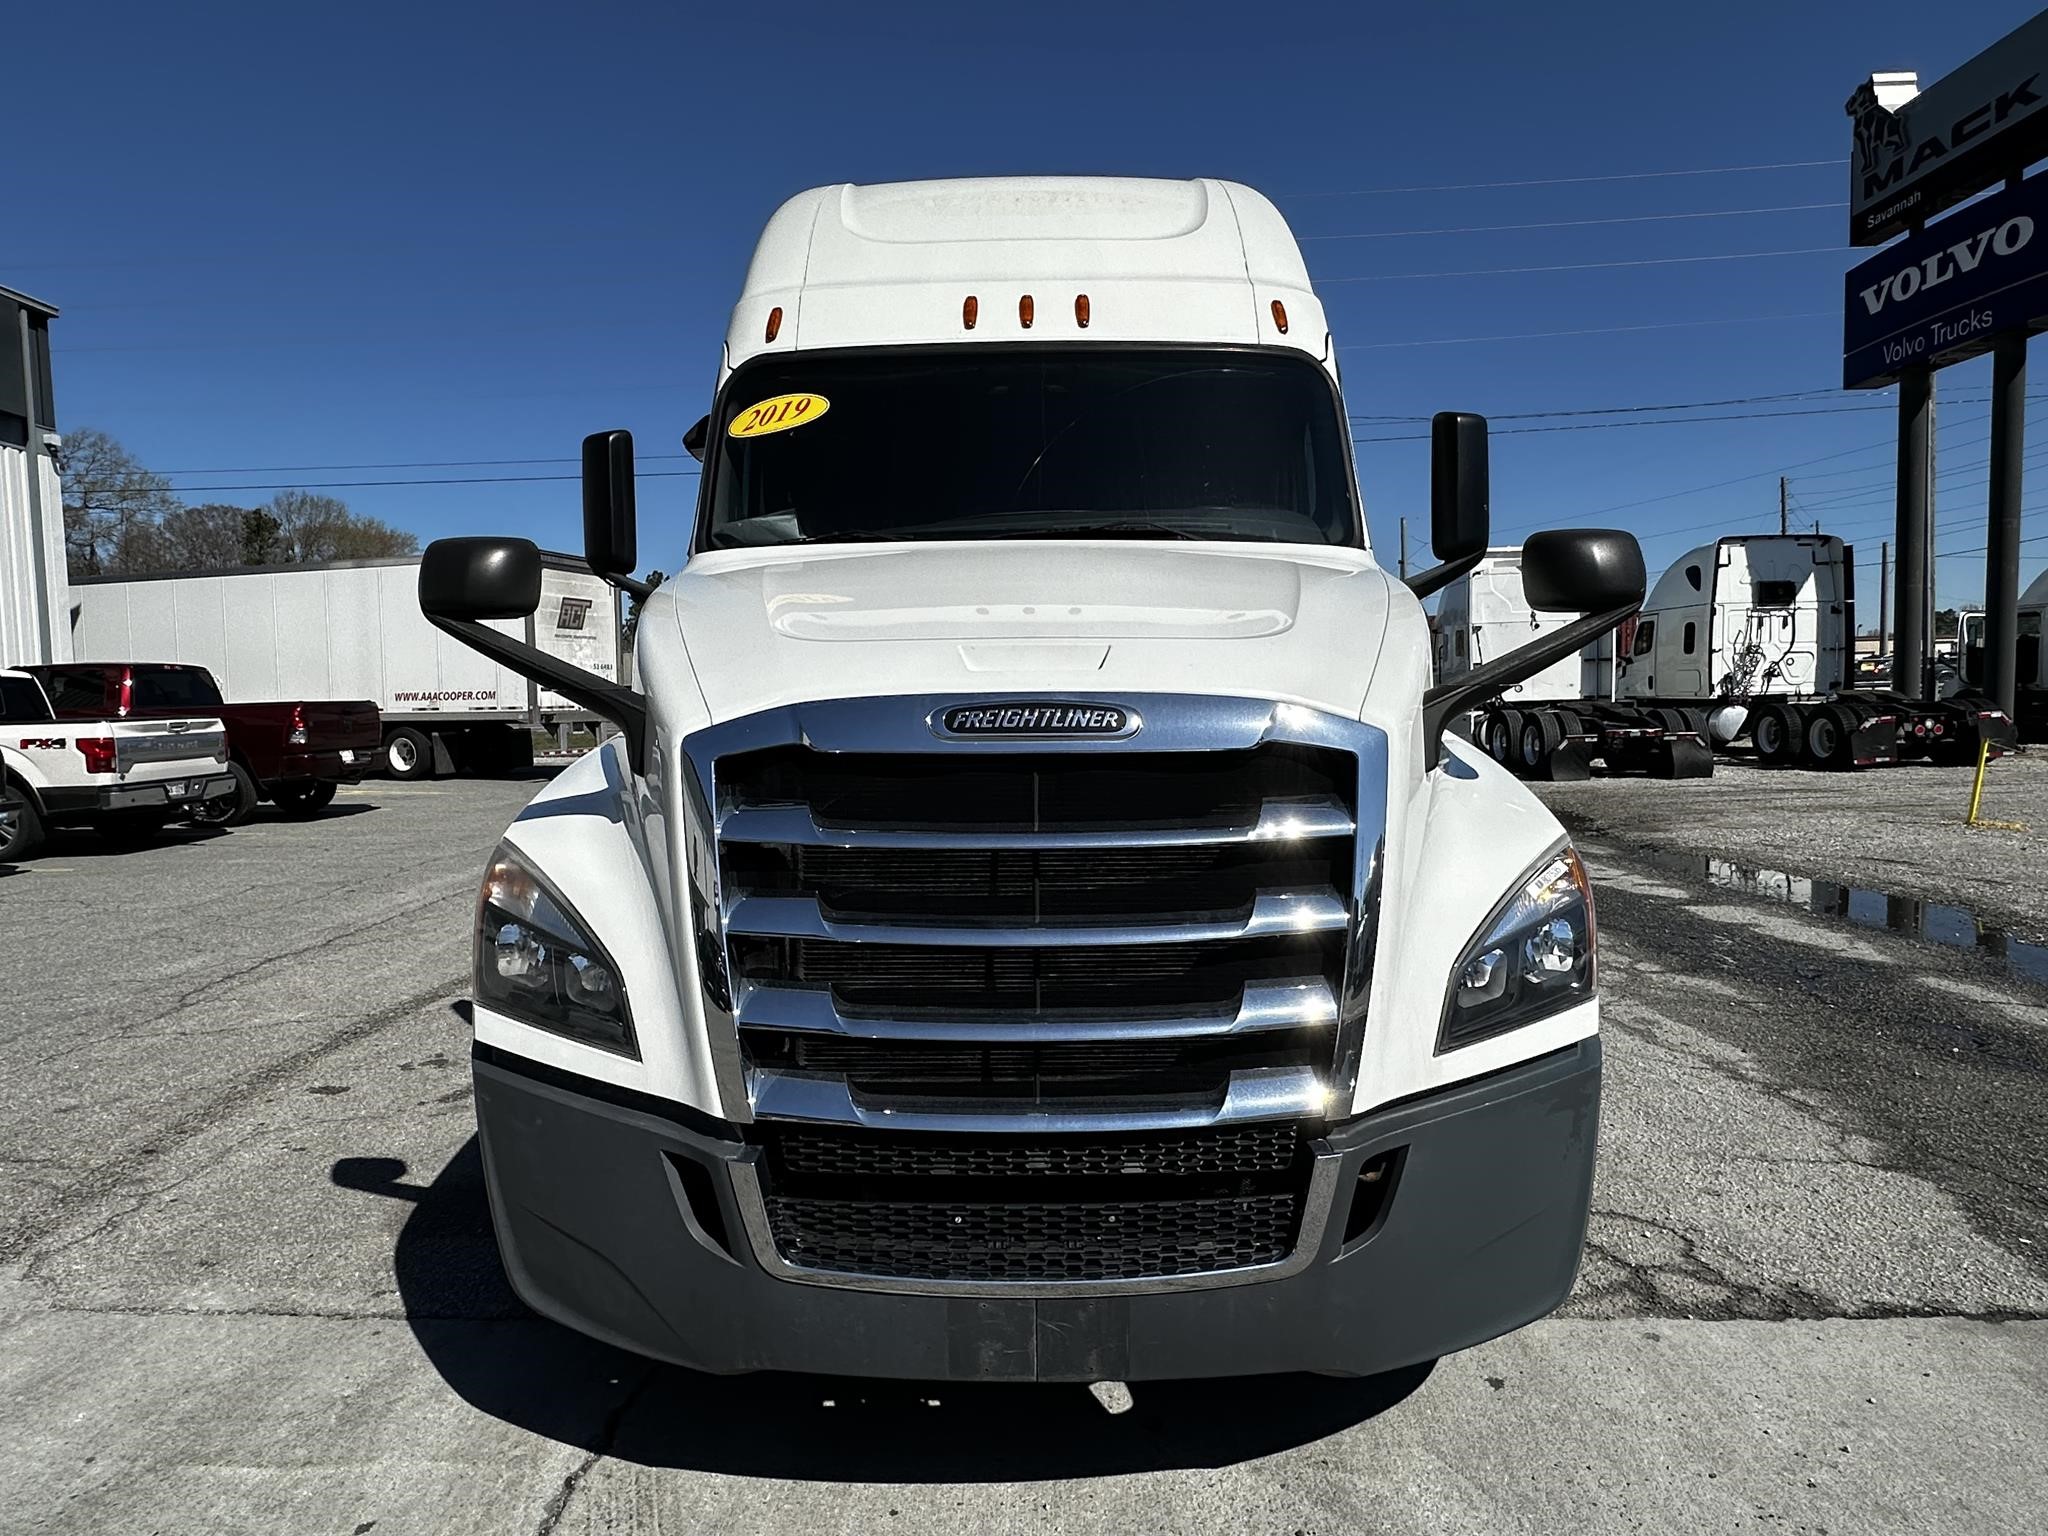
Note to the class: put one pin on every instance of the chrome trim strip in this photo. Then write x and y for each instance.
(1278, 820)
(1273, 914)
(1316, 1203)
(1173, 723)
(1262, 1006)
(1261, 1093)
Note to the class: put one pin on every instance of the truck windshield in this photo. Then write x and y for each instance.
(985, 443)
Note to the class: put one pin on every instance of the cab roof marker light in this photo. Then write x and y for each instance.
(1024, 311)
(970, 311)
(774, 322)
(1081, 310)
(1280, 316)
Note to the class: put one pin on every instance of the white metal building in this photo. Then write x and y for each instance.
(35, 599)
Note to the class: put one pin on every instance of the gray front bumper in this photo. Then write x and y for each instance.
(1480, 1235)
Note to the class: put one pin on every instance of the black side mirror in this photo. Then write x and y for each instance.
(1460, 497)
(480, 579)
(695, 439)
(1594, 571)
(465, 581)
(1582, 570)
(610, 544)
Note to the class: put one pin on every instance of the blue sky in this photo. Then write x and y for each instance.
(400, 235)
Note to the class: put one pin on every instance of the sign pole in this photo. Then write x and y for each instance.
(1909, 607)
(2002, 547)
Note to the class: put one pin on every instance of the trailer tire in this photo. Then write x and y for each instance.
(1539, 737)
(232, 808)
(21, 824)
(1503, 735)
(408, 753)
(1828, 731)
(1770, 728)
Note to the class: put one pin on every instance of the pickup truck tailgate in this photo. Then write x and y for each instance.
(333, 724)
(139, 742)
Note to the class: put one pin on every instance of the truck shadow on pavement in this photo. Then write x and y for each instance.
(532, 1373)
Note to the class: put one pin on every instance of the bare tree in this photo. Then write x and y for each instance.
(204, 538)
(109, 499)
(317, 528)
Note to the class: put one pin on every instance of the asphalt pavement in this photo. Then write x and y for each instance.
(247, 1282)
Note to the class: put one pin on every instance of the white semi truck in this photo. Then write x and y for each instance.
(2030, 693)
(353, 630)
(1031, 923)
(1749, 636)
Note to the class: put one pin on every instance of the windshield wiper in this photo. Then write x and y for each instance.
(720, 540)
(1117, 530)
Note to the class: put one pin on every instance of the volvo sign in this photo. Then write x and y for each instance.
(1914, 155)
(1944, 294)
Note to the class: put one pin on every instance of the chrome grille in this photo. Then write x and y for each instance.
(1032, 942)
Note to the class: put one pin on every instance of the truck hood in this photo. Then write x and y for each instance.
(1298, 623)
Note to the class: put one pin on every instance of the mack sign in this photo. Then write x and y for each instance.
(1945, 294)
(1982, 122)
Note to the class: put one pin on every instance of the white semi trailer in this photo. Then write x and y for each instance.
(353, 630)
(1749, 636)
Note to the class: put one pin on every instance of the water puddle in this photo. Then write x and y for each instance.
(1865, 907)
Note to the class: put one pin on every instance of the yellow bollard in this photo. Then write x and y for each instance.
(1977, 796)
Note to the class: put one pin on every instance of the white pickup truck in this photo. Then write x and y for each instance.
(123, 778)
(1032, 923)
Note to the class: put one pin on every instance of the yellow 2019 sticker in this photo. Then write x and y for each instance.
(778, 415)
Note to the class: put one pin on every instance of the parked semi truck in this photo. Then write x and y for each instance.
(353, 629)
(1031, 922)
(1749, 637)
(2030, 692)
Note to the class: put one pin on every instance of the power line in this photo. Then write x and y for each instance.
(293, 469)
(1586, 266)
(1596, 330)
(1617, 410)
(1566, 181)
(1638, 218)
(334, 485)
(1668, 421)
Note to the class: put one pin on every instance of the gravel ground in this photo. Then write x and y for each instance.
(1897, 830)
(248, 1284)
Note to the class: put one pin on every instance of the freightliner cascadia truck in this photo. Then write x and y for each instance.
(1031, 922)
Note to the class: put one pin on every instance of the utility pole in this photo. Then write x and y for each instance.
(1404, 549)
(1782, 526)
(1884, 593)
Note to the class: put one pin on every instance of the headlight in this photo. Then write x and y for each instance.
(1533, 957)
(537, 962)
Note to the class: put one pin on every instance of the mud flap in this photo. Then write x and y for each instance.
(1875, 741)
(1567, 763)
(1682, 757)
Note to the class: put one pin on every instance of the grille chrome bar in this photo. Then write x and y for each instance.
(1262, 1006)
(1270, 1093)
(1273, 914)
(1277, 821)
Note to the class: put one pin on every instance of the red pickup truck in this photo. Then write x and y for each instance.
(293, 755)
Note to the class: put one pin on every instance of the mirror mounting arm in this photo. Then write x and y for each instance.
(638, 590)
(609, 700)
(1422, 583)
(1446, 699)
